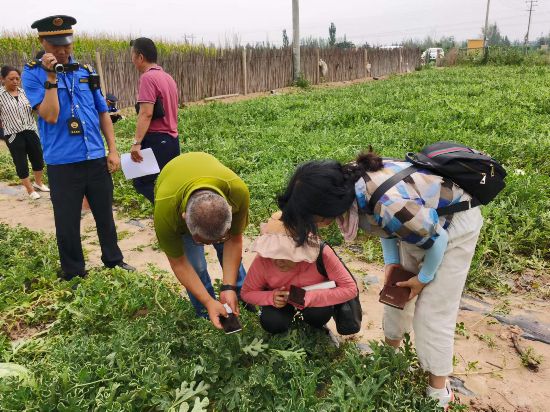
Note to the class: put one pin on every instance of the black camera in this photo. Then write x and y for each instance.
(64, 68)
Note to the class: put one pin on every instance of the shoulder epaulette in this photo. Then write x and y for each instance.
(88, 68)
(32, 64)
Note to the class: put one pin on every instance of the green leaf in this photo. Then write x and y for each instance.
(8, 369)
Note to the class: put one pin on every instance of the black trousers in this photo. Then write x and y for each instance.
(69, 183)
(165, 147)
(26, 143)
(275, 320)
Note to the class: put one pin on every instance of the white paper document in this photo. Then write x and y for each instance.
(323, 285)
(147, 166)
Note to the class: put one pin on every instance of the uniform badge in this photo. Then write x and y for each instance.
(58, 21)
(74, 126)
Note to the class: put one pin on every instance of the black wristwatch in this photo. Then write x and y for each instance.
(228, 287)
(50, 85)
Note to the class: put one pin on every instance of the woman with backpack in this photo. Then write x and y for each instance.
(280, 264)
(438, 248)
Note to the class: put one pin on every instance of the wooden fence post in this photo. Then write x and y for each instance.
(366, 63)
(99, 69)
(318, 75)
(245, 77)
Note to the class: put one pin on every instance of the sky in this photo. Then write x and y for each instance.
(378, 22)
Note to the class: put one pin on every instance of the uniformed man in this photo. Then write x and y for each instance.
(113, 109)
(71, 113)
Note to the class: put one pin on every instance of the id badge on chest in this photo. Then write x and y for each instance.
(75, 126)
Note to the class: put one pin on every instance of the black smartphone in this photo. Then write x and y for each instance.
(296, 295)
(231, 324)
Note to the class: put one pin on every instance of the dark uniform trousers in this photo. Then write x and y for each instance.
(69, 183)
(165, 148)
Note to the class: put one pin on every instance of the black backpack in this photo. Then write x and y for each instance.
(478, 174)
(347, 315)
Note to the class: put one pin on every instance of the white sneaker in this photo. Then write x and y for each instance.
(34, 195)
(443, 396)
(42, 187)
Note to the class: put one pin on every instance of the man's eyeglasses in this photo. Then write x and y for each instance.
(200, 241)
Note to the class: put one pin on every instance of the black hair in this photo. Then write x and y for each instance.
(146, 47)
(8, 69)
(324, 188)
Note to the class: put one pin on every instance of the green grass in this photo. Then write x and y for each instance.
(129, 342)
(24, 42)
(504, 111)
(509, 56)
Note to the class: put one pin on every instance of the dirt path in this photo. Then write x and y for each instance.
(485, 359)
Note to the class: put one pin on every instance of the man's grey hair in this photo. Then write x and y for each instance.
(208, 215)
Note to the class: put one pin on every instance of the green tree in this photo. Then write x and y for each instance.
(286, 43)
(445, 42)
(344, 44)
(494, 37)
(332, 34)
(543, 40)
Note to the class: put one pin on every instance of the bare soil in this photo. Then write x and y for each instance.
(288, 90)
(486, 359)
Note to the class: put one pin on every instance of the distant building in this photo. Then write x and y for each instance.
(475, 46)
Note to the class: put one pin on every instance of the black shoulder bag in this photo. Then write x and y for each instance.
(478, 174)
(347, 315)
(158, 109)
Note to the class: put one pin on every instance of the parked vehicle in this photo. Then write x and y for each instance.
(431, 54)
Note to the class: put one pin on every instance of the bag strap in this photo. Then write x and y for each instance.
(396, 178)
(458, 207)
(388, 184)
(321, 264)
(319, 261)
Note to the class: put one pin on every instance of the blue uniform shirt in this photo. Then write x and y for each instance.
(58, 145)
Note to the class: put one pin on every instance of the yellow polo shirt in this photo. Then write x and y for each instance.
(182, 176)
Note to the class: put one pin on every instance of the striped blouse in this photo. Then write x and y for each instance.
(16, 112)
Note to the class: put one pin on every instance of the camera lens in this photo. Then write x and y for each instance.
(58, 68)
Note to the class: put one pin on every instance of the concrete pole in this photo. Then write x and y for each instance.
(486, 24)
(296, 39)
(529, 23)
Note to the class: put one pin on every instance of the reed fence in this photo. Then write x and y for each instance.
(246, 70)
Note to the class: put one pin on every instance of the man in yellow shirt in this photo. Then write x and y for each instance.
(199, 201)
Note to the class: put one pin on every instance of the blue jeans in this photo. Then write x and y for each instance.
(195, 255)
